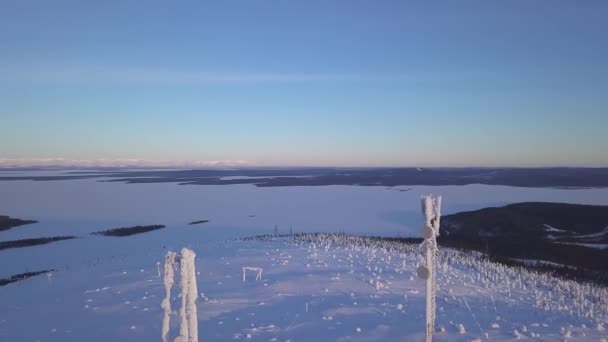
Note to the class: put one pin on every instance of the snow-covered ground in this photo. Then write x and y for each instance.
(322, 288)
(109, 289)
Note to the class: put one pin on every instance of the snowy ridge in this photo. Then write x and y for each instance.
(463, 276)
(588, 245)
(592, 236)
(598, 236)
(552, 229)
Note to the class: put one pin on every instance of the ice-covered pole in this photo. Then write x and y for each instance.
(188, 326)
(431, 209)
(166, 303)
(192, 295)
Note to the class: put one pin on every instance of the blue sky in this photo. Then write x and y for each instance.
(339, 83)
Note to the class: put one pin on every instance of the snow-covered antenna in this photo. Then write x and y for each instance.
(188, 326)
(431, 209)
(166, 303)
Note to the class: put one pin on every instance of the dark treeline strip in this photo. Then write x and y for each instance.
(44, 178)
(22, 276)
(32, 242)
(128, 231)
(522, 177)
(198, 222)
(7, 222)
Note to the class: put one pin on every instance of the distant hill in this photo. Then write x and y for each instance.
(532, 220)
(566, 234)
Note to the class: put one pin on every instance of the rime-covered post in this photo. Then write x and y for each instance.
(188, 328)
(192, 295)
(166, 303)
(188, 325)
(431, 209)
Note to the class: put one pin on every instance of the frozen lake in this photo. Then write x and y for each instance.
(79, 207)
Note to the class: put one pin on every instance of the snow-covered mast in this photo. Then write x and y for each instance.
(166, 303)
(431, 209)
(188, 326)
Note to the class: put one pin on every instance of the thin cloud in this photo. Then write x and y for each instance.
(110, 74)
(117, 162)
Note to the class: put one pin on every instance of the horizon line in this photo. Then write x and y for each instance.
(271, 167)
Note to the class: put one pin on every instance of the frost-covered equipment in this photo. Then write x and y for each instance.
(259, 271)
(188, 325)
(166, 303)
(431, 209)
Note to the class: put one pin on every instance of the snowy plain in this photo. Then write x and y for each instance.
(107, 288)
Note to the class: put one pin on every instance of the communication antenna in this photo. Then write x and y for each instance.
(188, 325)
(431, 209)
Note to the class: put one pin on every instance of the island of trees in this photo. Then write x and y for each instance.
(128, 231)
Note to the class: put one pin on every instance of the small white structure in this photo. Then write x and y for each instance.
(259, 271)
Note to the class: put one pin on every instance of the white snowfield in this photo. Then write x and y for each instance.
(586, 240)
(315, 288)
